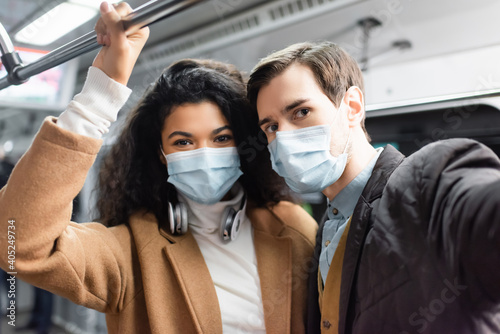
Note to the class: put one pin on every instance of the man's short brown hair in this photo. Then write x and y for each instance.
(334, 70)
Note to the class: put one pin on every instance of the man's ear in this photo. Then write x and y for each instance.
(355, 101)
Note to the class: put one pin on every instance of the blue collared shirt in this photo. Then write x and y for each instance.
(339, 210)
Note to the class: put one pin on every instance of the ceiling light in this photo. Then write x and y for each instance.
(8, 146)
(56, 23)
(91, 3)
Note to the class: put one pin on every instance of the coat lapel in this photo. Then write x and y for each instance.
(195, 282)
(274, 262)
(388, 161)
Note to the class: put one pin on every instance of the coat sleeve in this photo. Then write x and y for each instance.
(464, 214)
(82, 262)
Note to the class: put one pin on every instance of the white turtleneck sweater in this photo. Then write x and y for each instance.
(233, 266)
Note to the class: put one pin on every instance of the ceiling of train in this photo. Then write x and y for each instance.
(432, 27)
(15, 14)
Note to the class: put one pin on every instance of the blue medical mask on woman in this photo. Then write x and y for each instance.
(204, 175)
(302, 157)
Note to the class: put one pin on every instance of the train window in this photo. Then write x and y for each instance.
(411, 131)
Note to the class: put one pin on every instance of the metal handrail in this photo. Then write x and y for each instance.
(5, 42)
(145, 15)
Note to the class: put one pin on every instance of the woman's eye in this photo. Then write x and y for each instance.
(223, 138)
(302, 112)
(271, 128)
(182, 142)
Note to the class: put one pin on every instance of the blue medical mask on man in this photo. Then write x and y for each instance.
(204, 175)
(302, 157)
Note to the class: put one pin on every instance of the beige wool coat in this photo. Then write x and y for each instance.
(142, 277)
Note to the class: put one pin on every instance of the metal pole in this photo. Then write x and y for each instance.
(5, 42)
(145, 15)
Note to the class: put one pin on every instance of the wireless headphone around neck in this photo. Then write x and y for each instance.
(229, 226)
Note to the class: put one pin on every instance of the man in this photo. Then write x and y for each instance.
(410, 245)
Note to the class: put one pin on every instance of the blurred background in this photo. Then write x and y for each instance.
(427, 65)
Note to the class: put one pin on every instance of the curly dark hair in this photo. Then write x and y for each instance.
(132, 177)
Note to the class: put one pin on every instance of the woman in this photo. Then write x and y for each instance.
(192, 246)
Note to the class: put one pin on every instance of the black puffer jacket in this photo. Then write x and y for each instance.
(423, 249)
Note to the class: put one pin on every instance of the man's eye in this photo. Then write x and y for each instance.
(302, 112)
(271, 128)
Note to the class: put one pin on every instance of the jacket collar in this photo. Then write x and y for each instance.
(275, 273)
(195, 282)
(388, 161)
(189, 279)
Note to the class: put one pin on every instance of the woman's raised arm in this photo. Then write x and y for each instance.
(87, 263)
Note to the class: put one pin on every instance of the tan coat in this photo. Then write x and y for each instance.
(143, 278)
